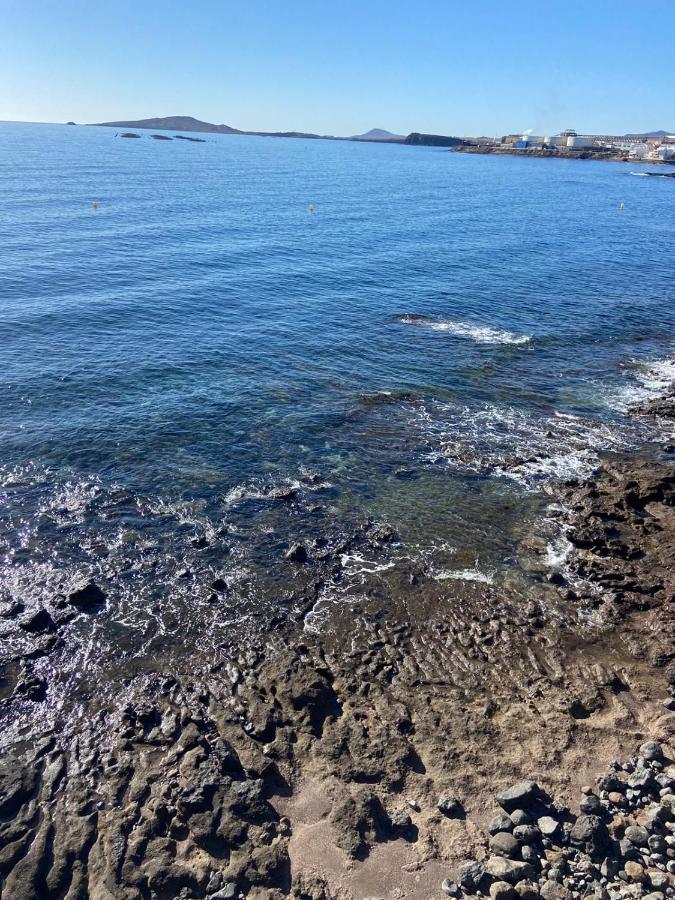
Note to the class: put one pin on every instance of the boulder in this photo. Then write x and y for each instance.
(37, 622)
(519, 796)
(297, 553)
(86, 594)
(511, 870)
(651, 750)
(526, 834)
(637, 835)
(548, 826)
(590, 833)
(634, 871)
(504, 844)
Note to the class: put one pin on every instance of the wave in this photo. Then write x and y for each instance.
(481, 334)
(648, 381)
(466, 575)
(531, 448)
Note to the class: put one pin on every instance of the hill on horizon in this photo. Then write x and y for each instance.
(172, 123)
(378, 134)
(653, 134)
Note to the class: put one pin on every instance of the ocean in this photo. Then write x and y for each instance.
(254, 342)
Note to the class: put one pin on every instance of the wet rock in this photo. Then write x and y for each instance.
(227, 892)
(38, 622)
(297, 554)
(519, 796)
(86, 595)
(450, 806)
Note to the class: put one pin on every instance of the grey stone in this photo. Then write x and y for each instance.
(526, 834)
(519, 796)
(86, 594)
(529, 854)
(450, 888)
(471, 876)
(651, 750)
(297, 553)
(591, 805)
(504, 844)
(450, 806)
(511, 870)
(501, 822)
(227, 892)
(637, 835)
(551, 890)
(527, 890)
(590, 833)
(502, 890)
(548, 826)
(520, 817)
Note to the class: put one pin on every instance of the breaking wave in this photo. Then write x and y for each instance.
(481, 334)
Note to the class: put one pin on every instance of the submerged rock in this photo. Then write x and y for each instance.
(86, 595)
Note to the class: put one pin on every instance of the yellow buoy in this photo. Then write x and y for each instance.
(311, 208)
(95, 205)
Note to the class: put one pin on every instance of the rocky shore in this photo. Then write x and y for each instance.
(612, 155)
(373, 759)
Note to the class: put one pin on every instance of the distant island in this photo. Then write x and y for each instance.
(189, 123)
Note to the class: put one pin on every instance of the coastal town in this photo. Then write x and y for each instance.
(657, 147)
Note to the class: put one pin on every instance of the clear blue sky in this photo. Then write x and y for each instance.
(344, 66)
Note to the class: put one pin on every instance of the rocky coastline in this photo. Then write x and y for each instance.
(374, 760)
(606, 155)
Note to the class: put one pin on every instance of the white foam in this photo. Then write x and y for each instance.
(466, 575)
(482, 334)
(649, 380)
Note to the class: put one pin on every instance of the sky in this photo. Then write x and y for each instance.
(344, 66)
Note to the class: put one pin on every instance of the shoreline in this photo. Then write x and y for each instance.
(599, 156)
(314, 766)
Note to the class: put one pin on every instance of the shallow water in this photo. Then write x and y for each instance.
(440, 339)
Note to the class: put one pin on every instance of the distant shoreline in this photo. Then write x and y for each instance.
(604, 156)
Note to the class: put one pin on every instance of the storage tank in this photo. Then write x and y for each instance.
(579, 142)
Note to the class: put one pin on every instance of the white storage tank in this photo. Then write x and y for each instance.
(579, 142)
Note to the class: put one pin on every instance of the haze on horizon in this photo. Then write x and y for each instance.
(432, 66)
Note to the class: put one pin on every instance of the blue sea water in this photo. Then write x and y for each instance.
(440, 338)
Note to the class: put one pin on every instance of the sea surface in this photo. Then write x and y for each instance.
(252, 342)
